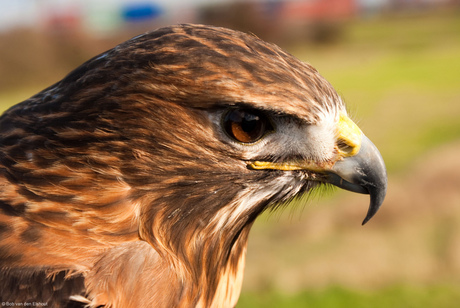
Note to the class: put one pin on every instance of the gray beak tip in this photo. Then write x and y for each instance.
(370, 214)
(363, 173)
(377, 193)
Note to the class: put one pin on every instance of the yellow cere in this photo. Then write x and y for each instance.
(349, 137)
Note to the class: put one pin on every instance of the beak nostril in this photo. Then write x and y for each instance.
(345, 148)
(349, 137)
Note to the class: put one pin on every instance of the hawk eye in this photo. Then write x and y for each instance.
(246, 125)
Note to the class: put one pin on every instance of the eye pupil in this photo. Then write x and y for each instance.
(245, 125)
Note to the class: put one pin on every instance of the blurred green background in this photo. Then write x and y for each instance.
(398, 69)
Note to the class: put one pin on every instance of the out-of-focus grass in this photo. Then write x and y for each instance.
(338, 297)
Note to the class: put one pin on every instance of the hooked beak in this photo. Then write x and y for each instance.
(363, 173)
(359, 167)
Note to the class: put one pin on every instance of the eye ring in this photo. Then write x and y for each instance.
(246, 125)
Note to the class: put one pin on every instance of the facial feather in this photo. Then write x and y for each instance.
(122, 171)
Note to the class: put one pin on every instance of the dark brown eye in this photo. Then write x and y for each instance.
(246, 125)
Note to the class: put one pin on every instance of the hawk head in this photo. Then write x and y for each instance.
(140, 173)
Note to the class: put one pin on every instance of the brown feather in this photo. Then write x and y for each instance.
(116, 176)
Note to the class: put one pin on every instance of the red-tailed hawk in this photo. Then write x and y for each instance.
(134, 181)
